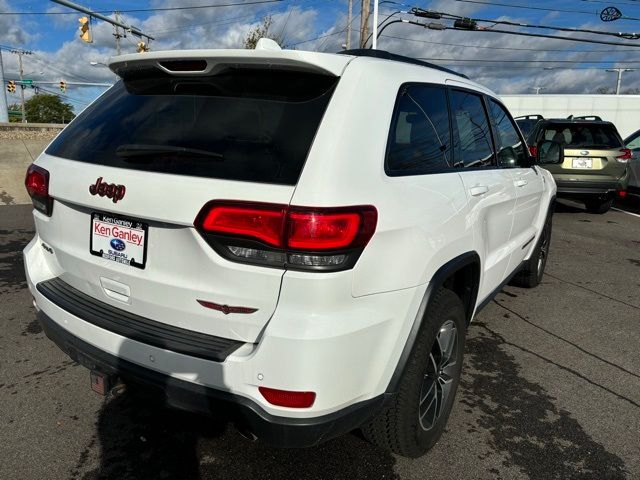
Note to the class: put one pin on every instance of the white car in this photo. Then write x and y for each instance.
(302, 237)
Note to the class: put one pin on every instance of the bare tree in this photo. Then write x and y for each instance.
(262, 31)
(605, 91)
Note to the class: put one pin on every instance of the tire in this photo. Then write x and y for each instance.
(598, 206)
(533, 270)
(407, 426)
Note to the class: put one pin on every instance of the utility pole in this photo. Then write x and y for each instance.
(116, 14)
(349, 20)
(364, 22)
(20, 53)
(374, 38)
(620, 71)
(4, 109)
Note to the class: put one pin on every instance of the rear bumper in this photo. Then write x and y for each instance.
(276, 430)
(588, 188)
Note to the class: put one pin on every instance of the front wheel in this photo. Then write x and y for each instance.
(414, 421)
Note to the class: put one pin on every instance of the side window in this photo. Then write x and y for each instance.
(511, 152)
(419, 140)
(471, 134)
(634, 144)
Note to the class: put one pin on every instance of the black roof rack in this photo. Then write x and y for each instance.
(530, 117)
(594, 118)
(367, 52)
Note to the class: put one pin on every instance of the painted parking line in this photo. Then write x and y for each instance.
(624, 211)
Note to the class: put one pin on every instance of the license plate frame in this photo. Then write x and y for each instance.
(124, 224)
(582, 163)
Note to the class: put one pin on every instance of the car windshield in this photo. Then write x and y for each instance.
(248, 124)
(583, 135)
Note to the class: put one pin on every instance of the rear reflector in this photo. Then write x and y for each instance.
(533, 150)
(37, 185)
(625, 157)
(284, 398)
(622, 194)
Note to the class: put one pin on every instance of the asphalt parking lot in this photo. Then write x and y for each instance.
(551, 387)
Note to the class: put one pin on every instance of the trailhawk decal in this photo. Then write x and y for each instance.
(109, 190)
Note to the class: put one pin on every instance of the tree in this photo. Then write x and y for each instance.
(45, 108)
(605, 91)
(261, 31)
(13, 108)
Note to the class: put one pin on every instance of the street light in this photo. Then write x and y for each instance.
(619, 71)
(98, 64)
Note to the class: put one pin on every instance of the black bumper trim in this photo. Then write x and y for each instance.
(135, 327)
(588, 188)
(275, 430)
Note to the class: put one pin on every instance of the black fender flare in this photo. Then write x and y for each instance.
(438, 279)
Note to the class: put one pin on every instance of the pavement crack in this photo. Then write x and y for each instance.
(562, 367)
(593, 291)
(576, 346)
(540, 439)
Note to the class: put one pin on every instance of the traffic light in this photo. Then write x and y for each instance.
(142, 47)
(85, 33)
(11, 86)
(63, 86)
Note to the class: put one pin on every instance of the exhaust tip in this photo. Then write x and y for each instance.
(246, 433)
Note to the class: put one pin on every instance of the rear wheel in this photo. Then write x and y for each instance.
(414, 421)
(533, 270)
(598, 205)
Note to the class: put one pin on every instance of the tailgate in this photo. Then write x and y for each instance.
(130, 175)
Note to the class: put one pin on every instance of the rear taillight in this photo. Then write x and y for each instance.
(533, 150)
(625, 157)
(37, 184)
(287, 236)
(285, 398)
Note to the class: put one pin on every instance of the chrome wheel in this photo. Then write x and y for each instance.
(437, 381)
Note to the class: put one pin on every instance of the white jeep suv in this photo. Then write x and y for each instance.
(300, 237)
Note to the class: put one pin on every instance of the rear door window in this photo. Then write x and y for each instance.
(420, 139)
(471, 133)
(245, 124)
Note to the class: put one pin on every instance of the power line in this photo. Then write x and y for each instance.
(545, 9)
(559, 50)
(488, 60)
(157, 9)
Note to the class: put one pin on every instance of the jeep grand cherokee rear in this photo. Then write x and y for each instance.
(304, 236)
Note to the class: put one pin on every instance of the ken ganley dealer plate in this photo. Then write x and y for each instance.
(119, 239)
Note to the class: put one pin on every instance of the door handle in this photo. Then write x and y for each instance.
(478, 190)
(520, 182)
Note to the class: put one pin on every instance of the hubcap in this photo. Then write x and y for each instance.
(436, 385)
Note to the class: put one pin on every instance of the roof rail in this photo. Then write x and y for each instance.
(532, 117)
(367, 52)
(595, 118)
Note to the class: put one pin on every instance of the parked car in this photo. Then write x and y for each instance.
(527, 122)
(595, 166)
(250, 228)
(633, 143)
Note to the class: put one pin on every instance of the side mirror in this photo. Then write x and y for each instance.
(549, 153)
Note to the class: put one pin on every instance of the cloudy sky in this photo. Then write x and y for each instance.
(505, 63)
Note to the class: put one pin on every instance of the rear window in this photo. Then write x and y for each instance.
(242, 124)
(577, 135)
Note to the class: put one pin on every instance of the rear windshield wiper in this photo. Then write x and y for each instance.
(146, 150)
